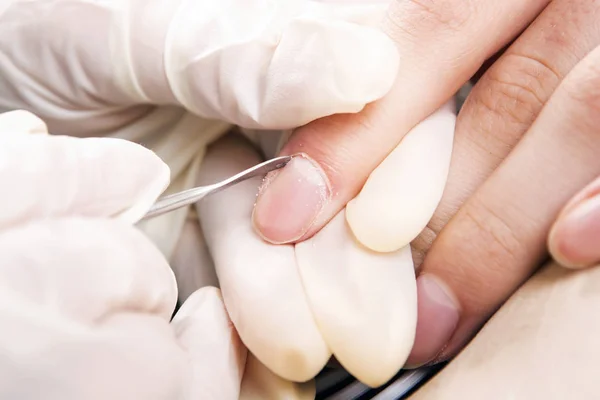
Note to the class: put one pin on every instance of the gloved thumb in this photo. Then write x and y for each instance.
(20, 121)
(92, 177)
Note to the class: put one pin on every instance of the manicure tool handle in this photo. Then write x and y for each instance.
(177, 200)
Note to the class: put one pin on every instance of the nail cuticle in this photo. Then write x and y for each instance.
(290, 201)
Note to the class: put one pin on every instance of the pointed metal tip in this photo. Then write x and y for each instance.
(283, 161)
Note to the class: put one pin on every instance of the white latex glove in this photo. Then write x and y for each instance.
(295, 306)
(130, 68)
(85, 298)
(254, 63)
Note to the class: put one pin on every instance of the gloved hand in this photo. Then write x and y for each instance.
(258, 64)
(296, 305)
(299, 60)
(86, 299)
(131, 68)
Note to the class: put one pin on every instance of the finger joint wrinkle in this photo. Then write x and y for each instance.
(499, 240)
(415, 18)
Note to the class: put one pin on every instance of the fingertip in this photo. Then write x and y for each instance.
(574, 240)
(349, 67)
(556, 246)
(371, 61)
(290, 200)
(437, 320)
(21, 121)
(402, 193)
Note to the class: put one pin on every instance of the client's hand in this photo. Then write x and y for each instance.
(498, 238)
(541, 344)
(538, 103)
(442, 44)
(575, 237)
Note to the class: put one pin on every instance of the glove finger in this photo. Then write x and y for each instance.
(86, 269)
(364, 303)
(402, 193)
(21, 121)
(260, 282)
(260, 383)
(216, 353)
(278, 65)
(87, 177)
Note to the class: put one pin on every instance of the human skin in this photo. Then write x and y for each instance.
(542, 344)
(441, 45)
(294, 306)
(492, 238)
(575, 237)
(525, 144)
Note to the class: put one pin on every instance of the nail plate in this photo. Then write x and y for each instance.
(575, 238)
(438, 316)
(290, 200)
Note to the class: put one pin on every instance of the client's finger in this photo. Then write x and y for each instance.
(542, 344)
(509, 97)
(575, 237)
(497, 239)
(442, 44)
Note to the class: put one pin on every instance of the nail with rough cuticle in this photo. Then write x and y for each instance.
(438, 316)
(290, 200)
(574, 240)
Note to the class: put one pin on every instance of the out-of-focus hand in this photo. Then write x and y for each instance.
(86, 299)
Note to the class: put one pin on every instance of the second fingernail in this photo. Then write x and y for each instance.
(290, 200)
(438, 316)
(575, 239)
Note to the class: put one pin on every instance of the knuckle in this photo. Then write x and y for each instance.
(432, 15)
(497, 239)
(517, 89)
(491, 251)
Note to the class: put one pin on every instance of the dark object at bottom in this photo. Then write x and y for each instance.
(337, 384)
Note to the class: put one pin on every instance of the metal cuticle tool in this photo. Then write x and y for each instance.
(177, 200)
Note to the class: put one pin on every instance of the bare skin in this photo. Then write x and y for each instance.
(542, 344)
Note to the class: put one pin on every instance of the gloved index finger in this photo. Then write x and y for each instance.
(56, 176)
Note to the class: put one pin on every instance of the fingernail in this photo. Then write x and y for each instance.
(438, 315)
(290, 200)
(575, 238)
